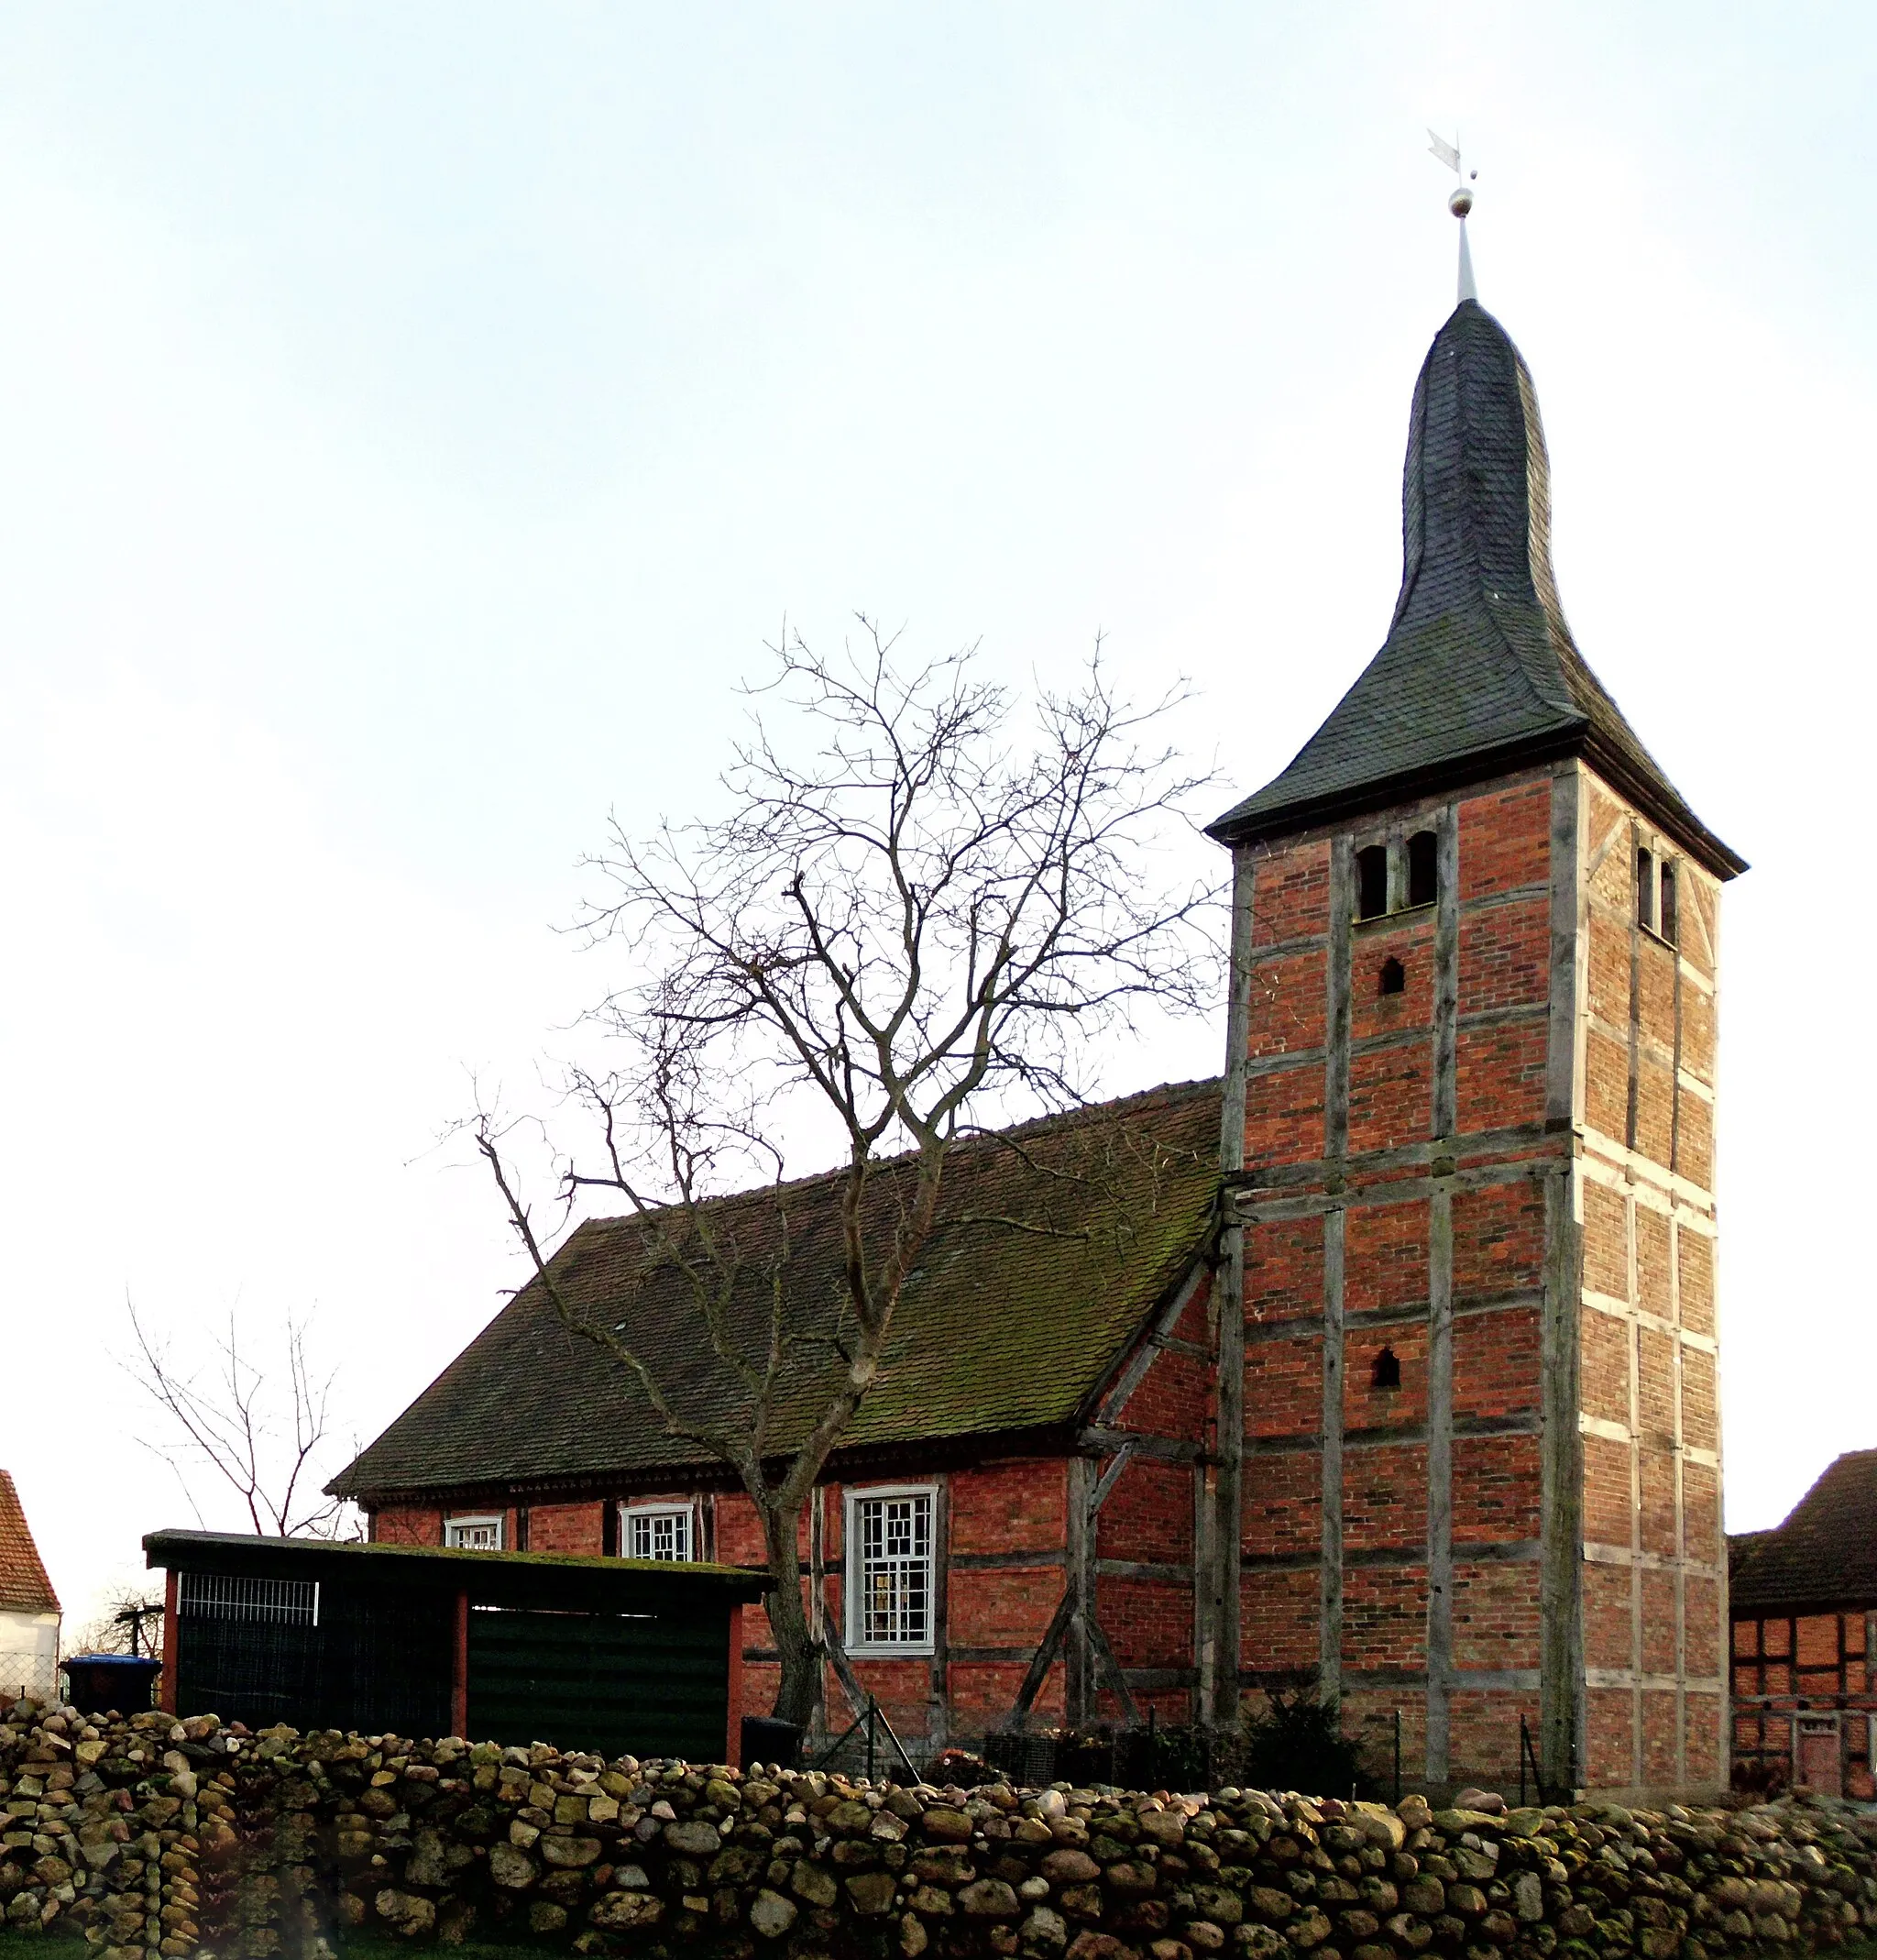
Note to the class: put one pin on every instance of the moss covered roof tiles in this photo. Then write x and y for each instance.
(1054, 1242)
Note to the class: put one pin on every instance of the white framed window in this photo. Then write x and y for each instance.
(657, 1531)
(889, 1564)
(473, 1534)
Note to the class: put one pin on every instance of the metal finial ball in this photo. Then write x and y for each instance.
(1460, 201)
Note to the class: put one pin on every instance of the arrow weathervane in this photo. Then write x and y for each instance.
(1459, 201)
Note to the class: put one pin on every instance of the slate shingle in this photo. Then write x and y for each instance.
(1479, 673)
(1054, 1242)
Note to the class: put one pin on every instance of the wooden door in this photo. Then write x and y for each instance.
(1821, 1758)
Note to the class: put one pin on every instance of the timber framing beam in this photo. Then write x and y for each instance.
(1075, 1631)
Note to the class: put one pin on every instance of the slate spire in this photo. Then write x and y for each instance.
(1479, 674)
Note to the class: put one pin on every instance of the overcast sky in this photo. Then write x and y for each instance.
(416, 419)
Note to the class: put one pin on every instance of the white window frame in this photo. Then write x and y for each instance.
(854, 1561)
(480, 1521)
(630, 1513)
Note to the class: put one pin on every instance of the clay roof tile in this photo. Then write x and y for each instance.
(24, 1586)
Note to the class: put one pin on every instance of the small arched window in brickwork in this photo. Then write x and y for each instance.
(1423, 868)
(1386, 1372)
(1645, 890)
(1372, 882)
(1670, 908)
(1394, 977)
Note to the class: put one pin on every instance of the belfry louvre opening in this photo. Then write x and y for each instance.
(612, 1655)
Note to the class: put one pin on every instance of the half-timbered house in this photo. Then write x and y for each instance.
(1805, 1639)
(1009, 1523)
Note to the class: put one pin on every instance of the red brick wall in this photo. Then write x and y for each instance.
(1144, 1538)
(423, 1523)
(1652, 1504)
(578, 1528)
(1004, 1511)
(1004, 1557)
(1498, 1243)
(1011, 1511)
(408, 1524)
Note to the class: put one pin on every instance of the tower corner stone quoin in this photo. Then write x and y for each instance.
(1468, 1152)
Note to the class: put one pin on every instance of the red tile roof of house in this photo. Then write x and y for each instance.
(24, 1587)
(1824, 1555)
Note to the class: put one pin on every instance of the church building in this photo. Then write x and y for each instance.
(1382, 1368)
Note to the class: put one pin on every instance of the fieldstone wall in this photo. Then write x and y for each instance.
(152, 1837)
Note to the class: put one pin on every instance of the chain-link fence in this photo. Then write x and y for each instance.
(30, 1670)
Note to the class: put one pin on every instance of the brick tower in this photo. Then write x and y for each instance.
(1468, 1146)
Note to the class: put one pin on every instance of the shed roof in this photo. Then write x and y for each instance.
(1823, 1555)
(510, 1575)
(1054, 1242)
(24, 1586)
(1479, 673)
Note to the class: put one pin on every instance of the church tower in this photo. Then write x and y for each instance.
(1469, 1157)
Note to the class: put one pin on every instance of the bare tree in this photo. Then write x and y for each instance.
(128, 1625)
(925, 925)
(259, 1434)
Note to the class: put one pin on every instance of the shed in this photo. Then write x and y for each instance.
(611, 1654)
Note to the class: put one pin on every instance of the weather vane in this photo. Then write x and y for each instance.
(1459, 201)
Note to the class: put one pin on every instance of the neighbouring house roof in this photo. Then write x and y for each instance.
(1824, 1555)
(1479, 673)
(1054, 1243)
(24, 1586)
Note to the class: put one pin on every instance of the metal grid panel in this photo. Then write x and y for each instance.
(221, 1596)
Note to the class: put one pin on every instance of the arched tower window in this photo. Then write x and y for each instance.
(1670, 908)
(1645, 890)
(1394, 977)
(1372, 882)
(1423, 868)
(1387, 1372)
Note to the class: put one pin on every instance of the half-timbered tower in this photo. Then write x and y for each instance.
(1468, 1139)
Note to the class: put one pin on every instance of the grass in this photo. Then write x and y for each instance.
(68, 1941)
(371, 1946)
(16, 1945)
(360, 1945)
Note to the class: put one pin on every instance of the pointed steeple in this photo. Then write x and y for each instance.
(1479, 674)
